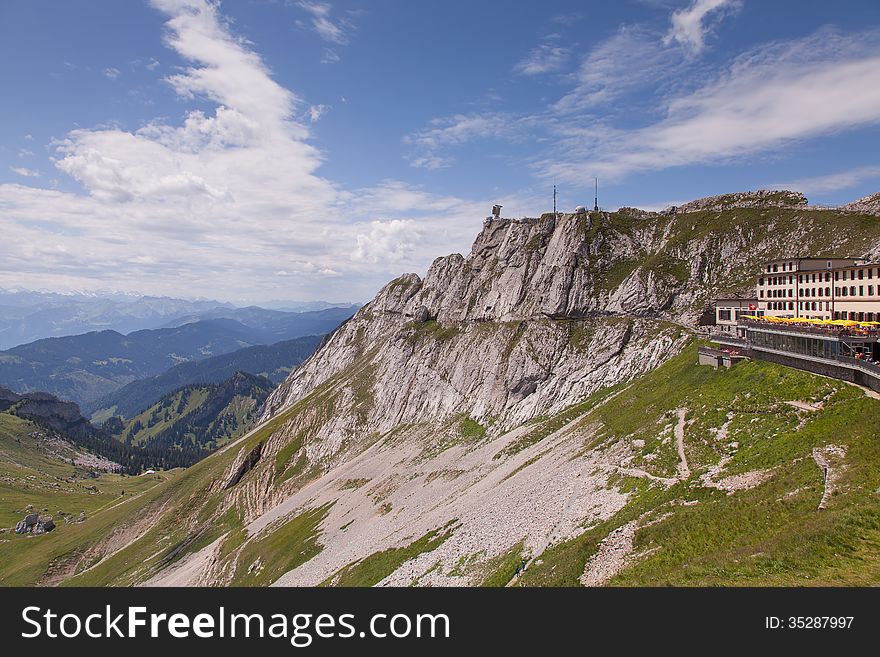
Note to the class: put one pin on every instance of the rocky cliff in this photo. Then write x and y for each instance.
(545, 310)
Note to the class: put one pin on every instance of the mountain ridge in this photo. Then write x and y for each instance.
(274, 361)
(86, 367)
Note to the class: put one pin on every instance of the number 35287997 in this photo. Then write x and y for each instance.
(808, 622)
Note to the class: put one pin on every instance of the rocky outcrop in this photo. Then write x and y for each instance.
(867, 205)
(761, 199)
(34, 523)
(48, 410)
(245, 466)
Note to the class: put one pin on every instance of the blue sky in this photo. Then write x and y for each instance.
(256, 150)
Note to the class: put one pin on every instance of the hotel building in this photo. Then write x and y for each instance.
(820, 288)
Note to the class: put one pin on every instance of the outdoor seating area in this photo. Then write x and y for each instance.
(831, 327)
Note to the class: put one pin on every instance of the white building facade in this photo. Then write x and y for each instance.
(820, 288)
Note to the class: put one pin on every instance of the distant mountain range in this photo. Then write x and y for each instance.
(275, 325)
(26, 316)
(85, 367)
(271, 361)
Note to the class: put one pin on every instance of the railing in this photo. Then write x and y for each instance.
(831, 332)
(870, 368)
(729, 339)
(865, 366)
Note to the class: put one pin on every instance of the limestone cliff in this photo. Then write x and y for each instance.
(544, 311)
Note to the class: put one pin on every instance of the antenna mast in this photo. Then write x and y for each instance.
(554, 198)
(596, 199)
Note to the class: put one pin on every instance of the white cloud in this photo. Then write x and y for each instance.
(219, 203)
(152, 64)
(446, 132)
(832, 182)
(334, 31)
(690, 26)
(632, 58)
(329, 56)
(546, 58)
(317, 111)
(27, 173)
(24, 152)
(112, 73)
(770, 96)
(29, 137)
(386, 240)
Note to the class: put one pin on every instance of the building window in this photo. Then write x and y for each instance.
(837, 276)
(827, 291)
(790, 292)
(861, 274)
(852, 290)
(761, 294)
(775, 269)
(870, 290)
(843, 291)
(724, 315)
(861, 290)
(790, 304)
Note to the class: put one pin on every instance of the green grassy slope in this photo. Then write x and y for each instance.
(772, 534)
(39, 473)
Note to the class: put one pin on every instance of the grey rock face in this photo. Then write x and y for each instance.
(868, 205)
(34, 523)
(763, 198)
(520, 327)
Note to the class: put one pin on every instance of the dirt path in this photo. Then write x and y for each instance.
(824, 457)
(612, 555)
(684, 471)
(805, 406)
